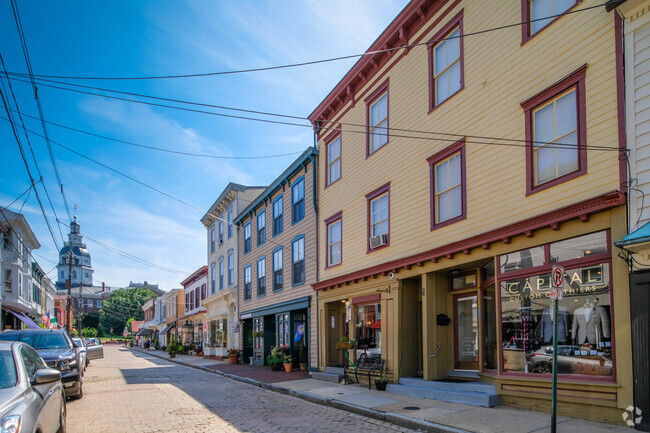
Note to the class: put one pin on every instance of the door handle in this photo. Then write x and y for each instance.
(51, 392)
(435, 352)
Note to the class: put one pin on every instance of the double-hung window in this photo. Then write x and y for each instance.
(261, 227)
(220, 232)
(298, 261)
(378, 217)
(231, 268)
(213, 278)
(221, 273)
(448, 189)
(298, 200)
(247, 237)
(334, 161)
(446, 62)
(277, 269)
(277, 216)
(212, 238)
(556, 133)
(261, 276)
(229, 223)
(377, 119)
(538, 14)
(247, 282)
(334, 241)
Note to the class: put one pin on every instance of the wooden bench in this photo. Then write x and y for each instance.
(370, 365)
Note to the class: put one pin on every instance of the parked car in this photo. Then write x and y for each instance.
(31, 395)
(570, 360)
(94, 348)
(57, 349)
(83, 356)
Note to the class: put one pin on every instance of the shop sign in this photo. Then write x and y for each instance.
(580, 281)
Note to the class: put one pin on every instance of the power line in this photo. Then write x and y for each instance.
(18, 198)
(23, 42)
(362, 130)
(315, 62)
(22, 153)
(130, 143)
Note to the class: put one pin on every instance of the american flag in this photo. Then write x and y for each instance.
(46, 320)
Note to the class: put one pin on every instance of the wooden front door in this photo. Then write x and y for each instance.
(335, 329)
(466, 331)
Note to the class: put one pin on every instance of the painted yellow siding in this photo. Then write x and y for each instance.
(499, 74)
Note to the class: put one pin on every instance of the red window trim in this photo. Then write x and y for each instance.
(525, 17)
(371, 99)
(334, 218)
(458, 147)
(456, 21)
(575, 80)
(384, 189)
(328, 140)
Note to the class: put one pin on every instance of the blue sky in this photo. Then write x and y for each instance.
(165, 37)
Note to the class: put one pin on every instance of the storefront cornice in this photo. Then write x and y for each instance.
(553, 220)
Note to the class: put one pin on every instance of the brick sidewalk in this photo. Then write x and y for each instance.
(260, 373)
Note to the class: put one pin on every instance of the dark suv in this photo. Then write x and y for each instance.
(57, 349)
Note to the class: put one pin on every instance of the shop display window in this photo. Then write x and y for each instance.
(583, 321)
(524, 259)
(258, 333)
(367, 325)
(221, 333)
(282, 323)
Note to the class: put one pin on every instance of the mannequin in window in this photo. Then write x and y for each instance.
(545, 329)
(590, 323)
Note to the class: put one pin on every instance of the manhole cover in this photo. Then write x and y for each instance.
(411, 408)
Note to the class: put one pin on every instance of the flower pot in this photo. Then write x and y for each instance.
(303, 366)
(287, 367)
(172, 355)
(276, 367)
(233, 359)
(381, 385)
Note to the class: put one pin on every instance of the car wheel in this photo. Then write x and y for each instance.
(81, 391)
(62, 416)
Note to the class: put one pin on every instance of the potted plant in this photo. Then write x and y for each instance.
(345, 343)
(174, 348)
(302, 357)
(381, 383)
(287, 361)
(233, 354)
(274, 359)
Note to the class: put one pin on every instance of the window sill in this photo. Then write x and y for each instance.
(448, 222)
(302, 283)
(557, 181)
(333, 266)
(435, 107)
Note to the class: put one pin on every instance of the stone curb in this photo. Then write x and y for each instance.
(390, 417)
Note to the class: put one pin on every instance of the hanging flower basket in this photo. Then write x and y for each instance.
(345, 344)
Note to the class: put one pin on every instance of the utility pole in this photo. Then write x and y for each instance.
(69, 284)
(81, 300)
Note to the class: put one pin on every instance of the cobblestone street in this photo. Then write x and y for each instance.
(130, 391)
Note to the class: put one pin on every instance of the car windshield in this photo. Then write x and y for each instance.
(46, 340)
(7, 369)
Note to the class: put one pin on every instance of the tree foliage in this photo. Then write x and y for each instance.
(121, 306)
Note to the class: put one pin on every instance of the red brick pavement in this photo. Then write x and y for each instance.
(260, 373)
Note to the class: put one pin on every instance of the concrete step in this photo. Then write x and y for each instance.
(472, 393)
(327, 377)
(334, 370)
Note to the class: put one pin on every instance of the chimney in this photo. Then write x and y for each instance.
(103, 286)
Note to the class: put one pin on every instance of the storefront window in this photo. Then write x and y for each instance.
(367, 325)
(524, 259)
(221, 334)
(258, 333)
(583, 324)
(579, 248)
(213, 333)
(282, 331)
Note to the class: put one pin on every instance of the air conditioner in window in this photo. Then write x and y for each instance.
(378, 241)
(220, 241)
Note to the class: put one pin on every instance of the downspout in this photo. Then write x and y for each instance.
(314, 169)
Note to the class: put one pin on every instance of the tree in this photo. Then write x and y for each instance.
(121, 306)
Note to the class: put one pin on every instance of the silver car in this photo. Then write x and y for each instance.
(83, 357)
(31, 395)
(94, 348)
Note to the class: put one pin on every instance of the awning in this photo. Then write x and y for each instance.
(144, 332)
(167, 328)
(638, 236)
(376, 325)
(24, 318)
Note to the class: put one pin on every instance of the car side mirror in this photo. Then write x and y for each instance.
(46, 375)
